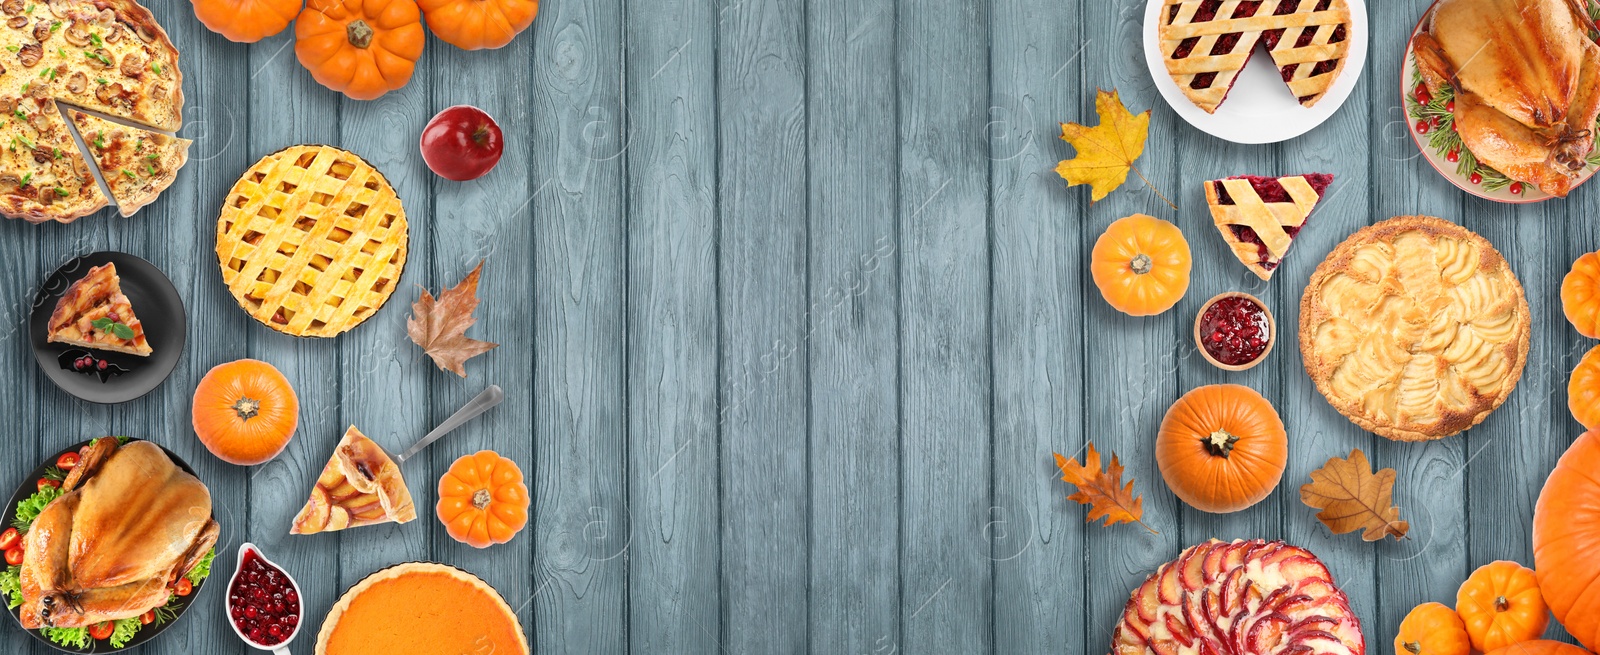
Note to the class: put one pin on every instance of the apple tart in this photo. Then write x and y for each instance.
(1414, 328)
(359, 486)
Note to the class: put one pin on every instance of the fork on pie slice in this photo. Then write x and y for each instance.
(359, 486)
(137, 164)
(1259, 217)
(93, 313)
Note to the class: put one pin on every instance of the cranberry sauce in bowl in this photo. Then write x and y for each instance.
(1234, 331)
(263, 602)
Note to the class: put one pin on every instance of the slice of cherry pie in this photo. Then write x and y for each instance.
(1259, 217)
(1207, 42)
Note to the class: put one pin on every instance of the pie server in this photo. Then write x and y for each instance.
(484, 401)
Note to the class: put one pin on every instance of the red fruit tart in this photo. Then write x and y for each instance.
(1242, 598)
(1260, 216)
(1205, 50)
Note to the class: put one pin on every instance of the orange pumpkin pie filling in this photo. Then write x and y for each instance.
(421, 609)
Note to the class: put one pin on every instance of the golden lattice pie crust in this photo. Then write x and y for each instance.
(1206, 43)
(312, 241)
(1414, 328)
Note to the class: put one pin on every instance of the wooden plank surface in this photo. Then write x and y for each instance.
(793, 311)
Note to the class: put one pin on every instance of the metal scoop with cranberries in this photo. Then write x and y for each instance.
(1242, 598)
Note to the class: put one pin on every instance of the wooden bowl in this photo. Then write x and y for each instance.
(1272, 331)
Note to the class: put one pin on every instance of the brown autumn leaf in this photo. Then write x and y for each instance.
(440, 326)
(1352, 497)
(1102, 491)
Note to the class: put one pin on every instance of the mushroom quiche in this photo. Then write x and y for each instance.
(106, 56)
(136, 164)
(1414, 328)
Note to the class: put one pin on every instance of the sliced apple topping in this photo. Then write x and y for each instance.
(1239, 598)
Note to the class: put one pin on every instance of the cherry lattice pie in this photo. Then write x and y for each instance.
(1207, 42)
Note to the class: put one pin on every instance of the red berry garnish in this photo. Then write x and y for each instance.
(1476, 178)
(1422, 127)
(1453, 156)
(1516, 188)
(1450, 106)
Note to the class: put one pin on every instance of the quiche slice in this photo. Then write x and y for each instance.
(93, 313)
(137, 164)
(43, 176)
(108, 56)
(359, 486)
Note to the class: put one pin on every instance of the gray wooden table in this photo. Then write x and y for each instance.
(794, 310)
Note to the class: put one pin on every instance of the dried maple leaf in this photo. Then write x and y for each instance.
(1102, 491)
(440, 327)
(1352, 497)
(1106, 152)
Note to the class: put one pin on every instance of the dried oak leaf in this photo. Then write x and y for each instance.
(1352, 497)
(1106, 152)
(1102, 491)
(440, 326)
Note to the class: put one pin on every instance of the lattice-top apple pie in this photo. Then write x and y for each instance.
(1414, 328)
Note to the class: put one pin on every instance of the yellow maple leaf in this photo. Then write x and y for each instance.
(1106, 152)
(1102, 491)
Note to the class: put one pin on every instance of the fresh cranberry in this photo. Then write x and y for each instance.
(1475, 178)
(261, 610)
(1422, 127)
(1450, 106)
(1235, 331)
(1516, 188)
(1453, 156)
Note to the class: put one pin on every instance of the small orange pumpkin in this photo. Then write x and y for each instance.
(245, 412)
(1141, 264)
(1583, 390)
(1432, 629)
(1566, 536)
(1540, 647)
(361, 48)
(482, 500)
(1501, 605)
(1222, 448)
(478, 24)
(246, 21)
(1580, 295)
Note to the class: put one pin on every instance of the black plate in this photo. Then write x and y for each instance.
(28, 487)
(154, 300)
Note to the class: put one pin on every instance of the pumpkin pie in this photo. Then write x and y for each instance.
(93, 313)
(421, 608)
(359, 486)
(1414, 328)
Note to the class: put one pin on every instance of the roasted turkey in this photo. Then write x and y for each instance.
(1526, 78)
(129, 524)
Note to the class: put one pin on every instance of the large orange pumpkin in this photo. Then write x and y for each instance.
(1222, 448)
(1141, 264)
(361, 48)
(1500, 605)
(246, 21)
(1583, 390)
(482, 500)
(478, 24)
(1432, 629)
(1580, 295)
(1540, 647)
(245, 412)
(1566, 540)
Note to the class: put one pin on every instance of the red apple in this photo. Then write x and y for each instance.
(461, 143)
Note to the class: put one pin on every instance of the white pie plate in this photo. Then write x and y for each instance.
(1260, 108)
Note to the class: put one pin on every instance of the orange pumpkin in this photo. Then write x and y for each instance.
(1500, 605)
(1583, 390)
(246, 21)
(1540, 647)
(1141, 264)
(361, 48)
(1432, 629)
(478, 24)
(1580, 295)
(1222, 448)
(482, 500)
(245, 412)
(1566, 536)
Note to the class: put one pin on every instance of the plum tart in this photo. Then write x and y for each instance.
(1252, 597)
(1205, 44)
(1260, 217)
(1414, 328)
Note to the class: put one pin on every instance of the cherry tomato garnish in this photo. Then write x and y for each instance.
(147, 618)
(101, 630)
(14, 556)
(10, 539)
(68, 461)
(183, 587)
(1516, 188)
(45, 483)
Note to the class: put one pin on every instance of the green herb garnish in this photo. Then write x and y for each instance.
(100, 139)
(118, 328)
(11, 586)
(29, 508)
(94, 37)
(202, 568)
(97, 57)
(71, 637)
(63, 193)
(130, 174)
(26, 177)
(123, 631)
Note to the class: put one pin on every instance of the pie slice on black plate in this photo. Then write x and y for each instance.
(1259, 217)
(93, 313)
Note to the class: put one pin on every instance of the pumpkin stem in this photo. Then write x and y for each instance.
(1141, 264)
(359, 33)
(1413, 647)
(1501, 604)
(246, 408)
(1220, 443)
(480, 499)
